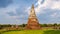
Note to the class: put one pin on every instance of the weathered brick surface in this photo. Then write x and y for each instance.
(32, 20)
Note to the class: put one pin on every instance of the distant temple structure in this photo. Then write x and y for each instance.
(33, 22)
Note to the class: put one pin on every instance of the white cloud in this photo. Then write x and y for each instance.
(28, 10)
(55, 15)
(47, 4)
(53, 4)
(56, 5)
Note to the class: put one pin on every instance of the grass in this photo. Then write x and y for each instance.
(52, 32)
(24, 32)
(33, 32)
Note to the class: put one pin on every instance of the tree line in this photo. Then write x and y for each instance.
(23, 25)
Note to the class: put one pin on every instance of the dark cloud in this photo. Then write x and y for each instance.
(42, 1)
(5, 3)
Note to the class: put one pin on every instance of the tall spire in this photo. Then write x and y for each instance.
(33, 6)
(32, 12)
(32, 20)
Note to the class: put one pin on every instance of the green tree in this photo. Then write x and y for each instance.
(43, 25)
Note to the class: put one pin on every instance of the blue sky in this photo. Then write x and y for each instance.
(17, 11)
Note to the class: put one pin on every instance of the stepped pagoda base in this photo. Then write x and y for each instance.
(32, 28)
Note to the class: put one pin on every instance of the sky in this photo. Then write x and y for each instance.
(17, 11)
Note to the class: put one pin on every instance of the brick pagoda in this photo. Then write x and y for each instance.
(33, 22)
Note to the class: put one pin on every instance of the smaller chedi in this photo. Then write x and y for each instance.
(33, 22)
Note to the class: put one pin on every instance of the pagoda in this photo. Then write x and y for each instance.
(33, 22)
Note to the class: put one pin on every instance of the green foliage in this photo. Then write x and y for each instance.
(22, 25)
(43, 25)
(55, 24)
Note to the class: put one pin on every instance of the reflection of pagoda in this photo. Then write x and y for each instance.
(32, 20)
